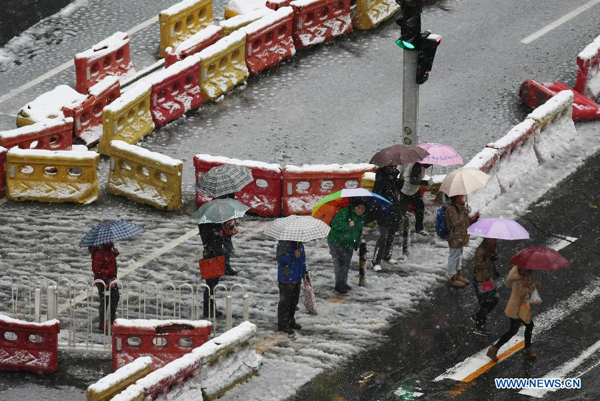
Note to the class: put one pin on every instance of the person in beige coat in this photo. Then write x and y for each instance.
(518, 311)
(457, 220)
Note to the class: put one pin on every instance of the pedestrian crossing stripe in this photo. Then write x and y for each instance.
(490, 364)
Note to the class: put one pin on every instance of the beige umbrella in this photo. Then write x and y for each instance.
(463, 181)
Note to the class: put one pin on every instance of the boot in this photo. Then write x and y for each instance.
(529, 354)
(492, 353)
(461, 278)
(454, 281)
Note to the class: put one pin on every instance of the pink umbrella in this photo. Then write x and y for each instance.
(498, 228)
(538, 258)
(440, 155)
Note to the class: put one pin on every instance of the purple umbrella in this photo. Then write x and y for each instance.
(440, 155)
(499, 229)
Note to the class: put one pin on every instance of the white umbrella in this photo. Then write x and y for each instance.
(463, 181)
(297, 228)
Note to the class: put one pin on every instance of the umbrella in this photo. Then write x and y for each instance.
(297, 228)
(538, 258)
(463, 181)
(223, 180)
(219, 211)
(112, 231)
(498, 228)
(396, 155)
(335, 198)
(440, 155)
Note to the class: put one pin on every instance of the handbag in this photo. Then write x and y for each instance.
(310, 301)
(534, 297)
(487, 286)
(525, 312)
(212, 267)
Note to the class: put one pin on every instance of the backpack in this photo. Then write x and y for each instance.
(441, 225)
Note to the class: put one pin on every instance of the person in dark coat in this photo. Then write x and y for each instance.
(414, 177)
(484, 274)
(344, 238)
(228, 243)
(213, 240)
(104, 267)
(387, 184)
(291, 268)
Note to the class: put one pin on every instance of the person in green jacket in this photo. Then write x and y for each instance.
(344, 238)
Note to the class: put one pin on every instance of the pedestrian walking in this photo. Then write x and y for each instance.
(485, 273)
(228, 242)
(458, 221)
(414, 175)
(387, 184)
(518, 311)
(104, 267)
(291, 269)
(344, 238)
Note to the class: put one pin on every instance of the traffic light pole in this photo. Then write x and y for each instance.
(410, 99)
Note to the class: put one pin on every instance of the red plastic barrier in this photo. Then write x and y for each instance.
(32, 347)
(534, 94)
(87, 115)
(269, 40)
(175, 90)
(277, 4)
(173, 383)
(304, 187)
(588, 64)
(196, 43)
(263, 195)
(162, 340)
(319, 21)
(109, 57)
(49, 135)
(2, 171)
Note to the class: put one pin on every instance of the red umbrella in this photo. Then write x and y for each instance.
(538, 258)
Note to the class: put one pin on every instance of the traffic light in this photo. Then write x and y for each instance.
(426, 46)
(409, 22)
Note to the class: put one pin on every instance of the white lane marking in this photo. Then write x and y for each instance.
(136, 265)
(562, 371)
(545, 321)
(65, 65)
(559, 22)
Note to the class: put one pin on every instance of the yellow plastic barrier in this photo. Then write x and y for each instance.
(144, 176)
(128, 118)
(223, 66)
(370, 13)
(52, 176)
(368, 181)
(184, 19)
(113, 384)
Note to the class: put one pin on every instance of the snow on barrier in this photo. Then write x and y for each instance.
(554, 126)
(112, 384)
(87, 113)
(588, 74)
(228, 360)
(2, 171)
(52, 176)
(370, 13)
(241, 7)
(486, 161)
(108, 57)
(320, 21)
(128, 118)
(145, 176)
(49, 135)
(223, 66)
(233, 24)
(26, 346)
(162, 340)
(182, 20)
(304, 186)
(194, 44)
(48, 106)
(175, 91)
(269, 40)
(263, 195)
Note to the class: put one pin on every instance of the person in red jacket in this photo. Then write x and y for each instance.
(104, 266)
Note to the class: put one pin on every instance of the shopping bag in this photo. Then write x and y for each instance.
(310, 301)
(487, 286)
(212, 267)
(534, 297)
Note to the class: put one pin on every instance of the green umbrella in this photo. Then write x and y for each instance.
(219, 211)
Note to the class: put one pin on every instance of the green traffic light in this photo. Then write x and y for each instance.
(403, 44)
